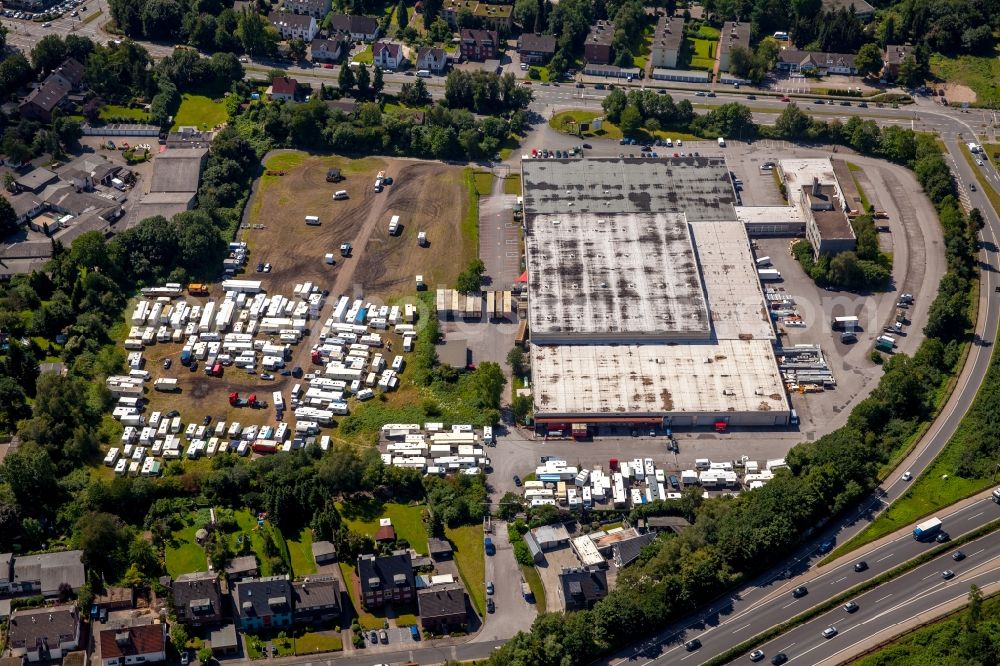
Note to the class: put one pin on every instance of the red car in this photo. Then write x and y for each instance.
(785, 99)
(327, 66)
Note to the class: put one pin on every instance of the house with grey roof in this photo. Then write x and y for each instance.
(198, 599)
(626, 551)
(442, 608)
(264, 603)
(46, 573)
(582, 588)
(317, 599)
(324, 552)
(44, 634)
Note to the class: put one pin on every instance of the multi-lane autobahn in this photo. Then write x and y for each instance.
(766, 601)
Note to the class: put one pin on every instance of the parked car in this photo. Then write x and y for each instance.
(167, 363)
(185, 658)
(383, 636)
(489, 587)
(490, 605)
(517, 481)
(205, 421)
(373, 637)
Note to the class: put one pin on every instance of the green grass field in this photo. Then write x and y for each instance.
(467, 542)
(698, 53)
(311, 643)
(200, 111)
(534, 581)
(484, 182)
(512, 184)
(406, 520)
(364, 56)
(115, 111)
(183, 555)
(300, 550)
(981, 73)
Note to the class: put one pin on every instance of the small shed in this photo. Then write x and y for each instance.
(324, 552)
(224, 641)
(440, 549)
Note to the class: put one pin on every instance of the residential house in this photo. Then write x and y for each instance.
(894, 56)
(442, 608)
(535, 49)
(816, 62)
(264, 603)
(385, 579)
(358, 28)
(582, 588)
(733, 34)
(478, 45)
(317, 600)
(497, 17)
(626, 551)
(432, 59)
(324, 552)
(133, 645)
(318, 9)
(387, 55)
(294, 26)
(47, 573)
(282, 88)
(861, 9)
(53, 91)
(597, 47)
(439, 549)
(44, 634)
(675, 524)
(326, 50)
(224, 641)
(198, 599)
(667, 39)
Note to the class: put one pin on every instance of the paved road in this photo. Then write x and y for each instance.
(918, 595)
(769, 602)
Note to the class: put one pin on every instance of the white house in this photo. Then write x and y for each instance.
(44, 634)
(133, 645)
(315, 8)
(326, 50)
(432, 59)
(387, 55)
(294, 26)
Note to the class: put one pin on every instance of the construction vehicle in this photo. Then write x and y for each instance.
(198, 289)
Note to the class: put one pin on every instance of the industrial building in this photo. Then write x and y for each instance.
(644, 301)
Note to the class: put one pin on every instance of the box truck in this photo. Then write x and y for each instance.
(927, 529)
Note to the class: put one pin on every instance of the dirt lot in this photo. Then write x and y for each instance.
(427, 196)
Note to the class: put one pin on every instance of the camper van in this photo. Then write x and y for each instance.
(340, 195)
(312, 220)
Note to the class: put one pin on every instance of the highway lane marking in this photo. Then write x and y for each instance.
(978, 551)
(975, 516)
(838, 580)
(932, 574)
(883, 558)
(883, 598)
(791, 604)
(742, 628)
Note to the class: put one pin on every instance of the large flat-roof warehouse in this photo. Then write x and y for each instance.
(644, 302)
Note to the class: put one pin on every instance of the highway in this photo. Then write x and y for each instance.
(916, 594)
(757, 605)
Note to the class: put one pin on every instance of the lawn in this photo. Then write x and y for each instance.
(200, 111)
(992, 151)
(249, 530)
(115, 111)
(697, 53)
(364, 56)
(300, 550)
(534, 581)
(311, 642)
(641, 57)
(981, 73)
(512, 184)
(365, 619)
(568, 121)
(484, 182)
(182, 554)
(467, 542)
(362, 516)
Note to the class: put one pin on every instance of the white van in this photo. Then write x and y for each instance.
(340, 195)
(312, 220)
(425, 73)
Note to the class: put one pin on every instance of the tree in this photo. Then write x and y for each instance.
(161, 19)
(521, 407)
(515, 359)
(740, 61)
(297, 49)
(631, 120)
(614, 104)
(8, 218)
(910, 74)
(402, 19)
(378, 82)
(256, 36)
(127, 15)
(48, 54)
(868, 61)
(364, 80)
(511, 504)
(346, 79)
(792, 122)
(469, 280)
(431, 10)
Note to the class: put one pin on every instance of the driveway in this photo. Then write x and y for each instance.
(513, 613)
